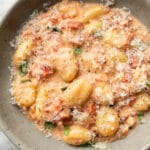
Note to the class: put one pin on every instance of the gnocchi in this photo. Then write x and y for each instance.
(92, 12)
(93, 26)
(77, 93)
(67, 67)
(70, 9)
(107, 121)
(23, 52)
(78, 135)
(41, 99)
(142, 103)
(25, 93)
(103, 94)
(116, 38)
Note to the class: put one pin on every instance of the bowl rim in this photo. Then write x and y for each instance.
(9, 134)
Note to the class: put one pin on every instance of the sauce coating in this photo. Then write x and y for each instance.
(81, 72)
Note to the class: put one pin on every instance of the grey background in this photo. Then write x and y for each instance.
(5, 5)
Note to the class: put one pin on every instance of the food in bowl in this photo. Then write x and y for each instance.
(81, 72)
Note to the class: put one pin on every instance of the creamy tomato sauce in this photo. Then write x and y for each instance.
(81, 72)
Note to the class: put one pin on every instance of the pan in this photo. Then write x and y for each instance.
(15, 125)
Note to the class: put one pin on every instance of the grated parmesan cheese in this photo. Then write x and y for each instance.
(79, 116)
(108, 2)
(100, 145)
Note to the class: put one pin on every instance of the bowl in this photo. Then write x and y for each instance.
(16, 126)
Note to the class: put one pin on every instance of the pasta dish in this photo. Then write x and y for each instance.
(81, 72)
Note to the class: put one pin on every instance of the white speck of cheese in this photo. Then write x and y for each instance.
(100, 145)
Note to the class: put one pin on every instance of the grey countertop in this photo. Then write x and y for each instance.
(5, 5)
(5, 144)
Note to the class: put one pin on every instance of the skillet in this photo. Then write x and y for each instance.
(15, 125)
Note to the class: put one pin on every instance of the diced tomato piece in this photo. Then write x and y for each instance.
(54, 110)
(41, 72)
(75, 25)
(134, 62)
(90, 108)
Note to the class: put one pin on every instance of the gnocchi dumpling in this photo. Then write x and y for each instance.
(70, 9)
(24, 92)
(107, 121)
(142, 102)
(93, 26)
(115, 38)
(42, 96)
(121, 57)
(77, 135)
(67, 67)
(92, 12)
(77, 92)
(103, 94)
(23, 52)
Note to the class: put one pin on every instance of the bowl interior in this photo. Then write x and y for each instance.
(18, 128)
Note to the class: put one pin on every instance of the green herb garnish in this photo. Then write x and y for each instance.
(49, 125)
(63, 88)
(56, 29)
(86, 145)
(23, 68)
(24, 81)
(148, 85)
(77, 51)
(66, 130)
(140, 116)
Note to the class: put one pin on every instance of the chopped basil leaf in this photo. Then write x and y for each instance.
(64, 88)
(24, 81)
(86, 145)
(140, 113)
(49, 125)
(77, 51)
(56, 29)
(140, 116)
(66, 130)
(148, 85)
(23, 68)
